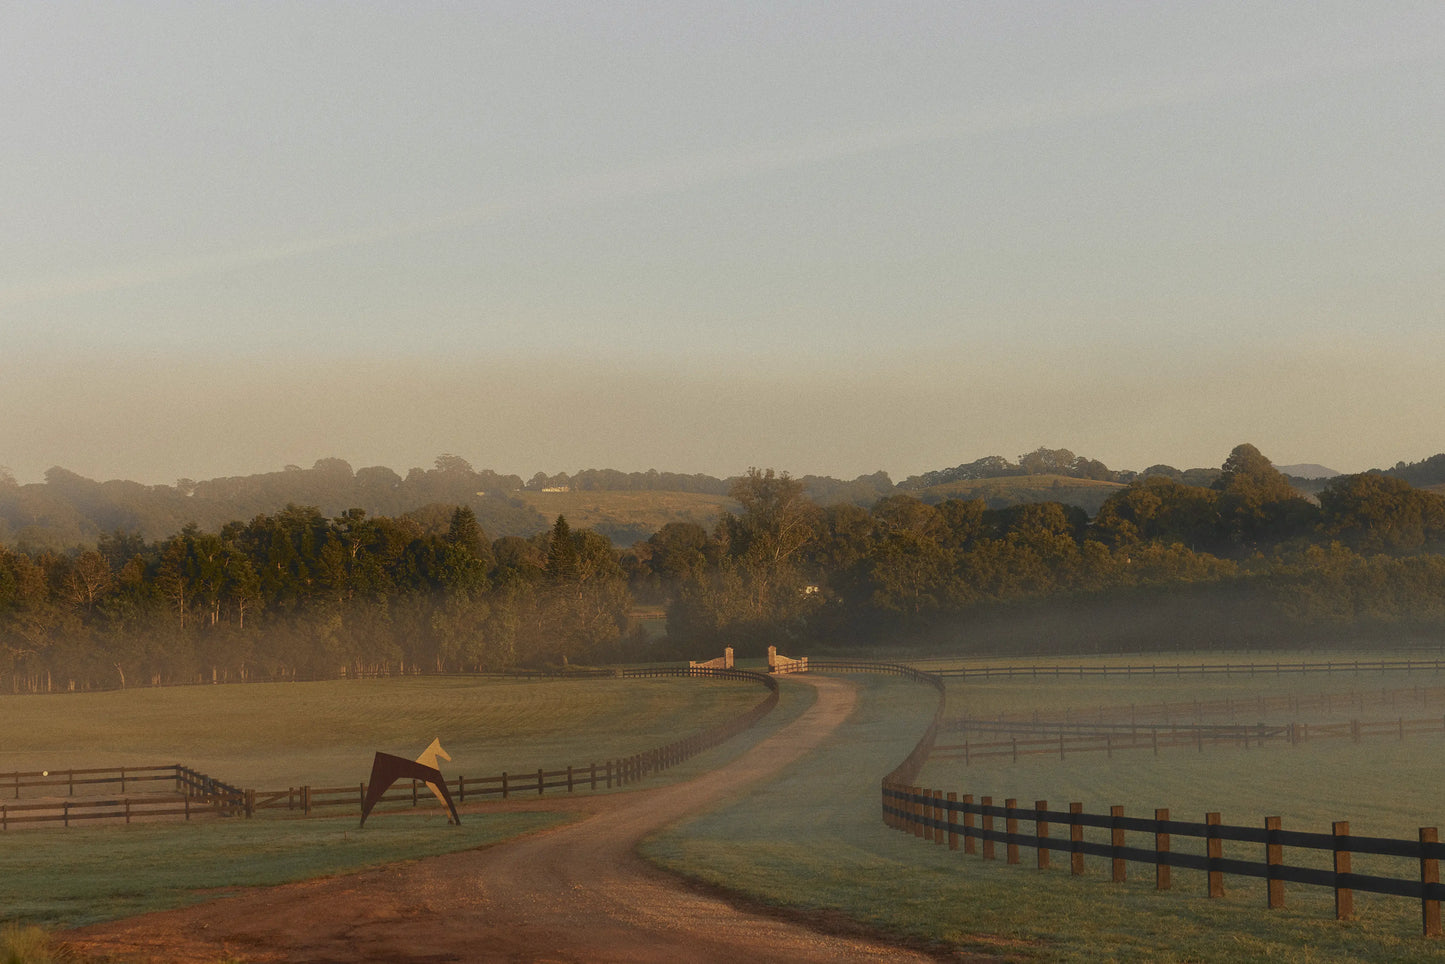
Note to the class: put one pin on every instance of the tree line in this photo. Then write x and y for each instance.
(1245, 560)
(296, 594)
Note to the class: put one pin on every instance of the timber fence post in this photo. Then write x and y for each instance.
(968, 840)
(1116, 844)
(1273, 858)
(1011, 827)
(987, 804)
(952, 824)
(939, 835)
(1429, 878)
(1344, 896)
(1076, 839)
(1041, 831)
(1214, 852)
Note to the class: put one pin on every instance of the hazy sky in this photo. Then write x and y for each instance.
(829, 238)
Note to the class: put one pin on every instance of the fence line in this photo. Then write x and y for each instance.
(12, 783)
(1260, 705)
(1063, 738)
(198, 791)
(928, 814)
(593, 776)
(912, 765)
(126, 809)
(1197, 669)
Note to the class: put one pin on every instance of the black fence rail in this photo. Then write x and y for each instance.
(199, 786)
(166, 790)
(908, 770)
(195, 792)
(1251, 708)
(50, 783)
(606, 775)
(948, 819)
(126, 809)
(1277, 668)
(1062, 739)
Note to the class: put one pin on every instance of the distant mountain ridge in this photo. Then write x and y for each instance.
(69, 511)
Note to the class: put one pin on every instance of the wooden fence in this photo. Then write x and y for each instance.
(593, 776)
(929, 814)
(195, 792)
(185, 792)
(946, 818)
(50, 782)
(1194, 669)
(1258, 707)
(1030, 739)
(908, 770)
(1278, 668)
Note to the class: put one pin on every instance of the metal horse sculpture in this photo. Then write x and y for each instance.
(387, 769)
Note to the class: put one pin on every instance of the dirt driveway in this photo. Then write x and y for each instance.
(575, 894)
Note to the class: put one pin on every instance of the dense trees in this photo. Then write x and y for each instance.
(295, 592)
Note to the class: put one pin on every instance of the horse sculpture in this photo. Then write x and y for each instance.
(386, 769)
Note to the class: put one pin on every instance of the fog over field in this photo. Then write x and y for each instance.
(832, 238)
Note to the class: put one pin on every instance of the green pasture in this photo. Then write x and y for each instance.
(1080, 698)
(278, 735)
(69, 877)
(814, 841)
(1383, 786)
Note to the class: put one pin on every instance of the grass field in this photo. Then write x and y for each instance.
(276, 735)
(318, 733)
(69, 878)
(814, 841)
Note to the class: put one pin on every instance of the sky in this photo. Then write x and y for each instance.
(828, 238)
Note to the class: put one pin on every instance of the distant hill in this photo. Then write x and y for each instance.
(1308, 470)
(628, 517)
(69, 511)
(1422, 474)
(1006, 491)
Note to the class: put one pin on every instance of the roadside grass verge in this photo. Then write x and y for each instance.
(813, 841)
(70, 878)
(30, 945)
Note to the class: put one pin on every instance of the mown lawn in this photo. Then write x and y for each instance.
(814, 841)
(318, 733)
(277, 735)
(69, 878)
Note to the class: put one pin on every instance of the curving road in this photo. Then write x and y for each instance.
(575, 894)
